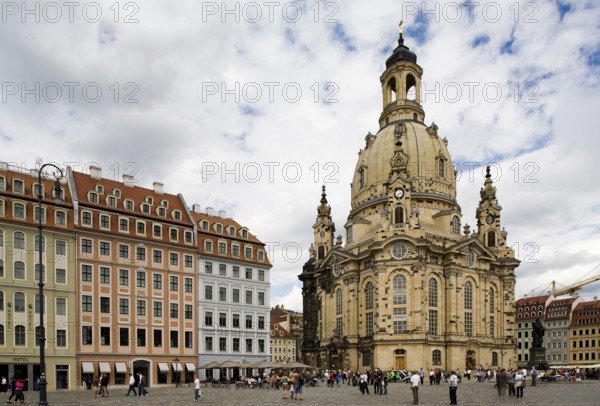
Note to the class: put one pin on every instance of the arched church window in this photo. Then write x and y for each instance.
(399, 215)
(399, 250)
(411, 87)
(433, 292)
(492, 302)
(321, 252)
(399, 286)
(392, 92)
(349, 234)
(415, 117)
(494, 359)
(338, 301)
(491, 239)
(369, 296)
(468, 295)
(436, 357)
(361, 177)
(441, 167)
(455, 225)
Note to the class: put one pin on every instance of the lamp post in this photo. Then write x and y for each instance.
(42, 332)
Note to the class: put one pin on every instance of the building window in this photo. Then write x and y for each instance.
(104, 305)
(491, 239)
(492, 303)
(222, 294)
(208, 267)
(222, 319)
(141, 307)
(86, 245)
(86, 335)
(433, 322)
(455, 225)
(261, 275)
(140, 227)
(123, 336)
(470, 258)
(338, 302)
(140, 279)
(433, 292)
(174, 310)
(157, 231)
(468, 295)
(104, 248)
(188, 261)
(187, 236)
(399, 320)
(261, 322)
(141, 337)
(494, 359)
(173, 283)
(235, 250)
(19, 240)
(208, 246)
(248, 345)
(436, 357)
(235, 321)
(249, 321)
(248, 252)
(19, 270)
(86, 218)
(86, 273)
(189, 339)
(157, 309)
(208, 319)
(141, 253)
(369, 323)
(86, 303)
(61, 306)
(188, 283)
(236, 271)
(174, 258)
(208, 292)
(188, 312)
(249, 297)
(492, 326)
(399, 287)
(19, 302)
(399, 215)
(124, 277)
(157, 338)
(208, 343)
(261, 298)
(248, 273)
(399, 250)
(61, 338)
(441, 167)
(173, 234)
(124, 306)
(469, 324)
(123, 224)
(157, 281)
(222, 270)
(235, 295)
(369, 296)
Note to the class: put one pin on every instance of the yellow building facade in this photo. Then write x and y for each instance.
(410, 287)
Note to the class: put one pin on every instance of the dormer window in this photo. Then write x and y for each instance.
(261, 255)
(204, 225)
(93, 197)
(244, 233)
(149, 200)
(231, 231)
(128, 205)
(162, 212)
(2, 183)
(18, 186)
(37, 191)
(219, 228)
(111, 201)
(100, 189)
(145, 208)
(117, 192)
(177, 215)
(164, 203)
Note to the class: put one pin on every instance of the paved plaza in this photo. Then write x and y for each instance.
(469, 393)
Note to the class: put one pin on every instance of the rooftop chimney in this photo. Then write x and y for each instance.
(223, 214)
(158, 188)
(196, 208)
(209, 211)
(95, 172)
(128, 180)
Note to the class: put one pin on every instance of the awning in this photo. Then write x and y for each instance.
(120, 367)
(87, 367)
(177, 367)
(104, 367)
(163, 367)
(190, 366)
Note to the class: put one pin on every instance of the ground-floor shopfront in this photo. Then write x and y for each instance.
(156, 371)
(60, 371)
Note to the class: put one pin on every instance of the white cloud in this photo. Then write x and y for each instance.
(175, 57)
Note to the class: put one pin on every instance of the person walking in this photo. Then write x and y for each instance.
(132, 385)
(384, 384)
(19, 386)
(415, 379)
(502, 382)
(519, 383)
(284, 386)
(421, 375)
(3, 385)
(141, 390)
(453, 381)
(511, 383)
(534, 374)
(197, 390)
(299, 386)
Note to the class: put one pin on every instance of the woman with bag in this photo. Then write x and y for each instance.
(519, 383)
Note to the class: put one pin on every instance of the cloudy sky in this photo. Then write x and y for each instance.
(250, 107)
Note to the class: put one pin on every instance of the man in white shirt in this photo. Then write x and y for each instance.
(197, 391)
(453, 381)
(415, 379)
(131, 385)
(524, 373)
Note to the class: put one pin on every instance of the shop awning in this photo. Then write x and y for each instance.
(177, 366)
(104, 367)
(120, 367)
(190, 366)
(87, 367)
(163, 367)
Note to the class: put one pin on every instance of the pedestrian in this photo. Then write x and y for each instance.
(364, 383)
(141, 389)
(197, 390)
(534, 374)
(284, 386)
(292, 383)
(104, 385)
(384, 384)
(453, 387)
(519, 383)
(502, 382)
(299, 385)
(431, 377)
(19, 386)
(3, 385)
(95, 386)
(414, 385)
(421, 375)
(132, 385)
(511, 383)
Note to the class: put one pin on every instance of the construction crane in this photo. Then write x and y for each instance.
(574, 287)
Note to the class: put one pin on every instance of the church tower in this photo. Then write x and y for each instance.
(410, 287)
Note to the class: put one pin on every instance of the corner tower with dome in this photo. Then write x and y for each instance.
(410, 287)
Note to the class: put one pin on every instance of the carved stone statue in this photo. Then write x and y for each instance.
(538, 334)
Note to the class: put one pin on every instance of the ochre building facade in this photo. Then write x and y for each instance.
(411, 286)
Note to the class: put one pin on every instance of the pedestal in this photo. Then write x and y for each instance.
(537, 358)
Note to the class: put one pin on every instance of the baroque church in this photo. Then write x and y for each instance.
(410, 288)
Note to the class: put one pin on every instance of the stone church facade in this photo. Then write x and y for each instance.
(411, 287)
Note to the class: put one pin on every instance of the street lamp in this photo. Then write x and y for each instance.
(42, 332)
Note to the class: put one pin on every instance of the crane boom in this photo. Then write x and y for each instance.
(574, 287)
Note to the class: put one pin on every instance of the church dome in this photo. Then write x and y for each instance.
(418, 152)
(401, 53)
